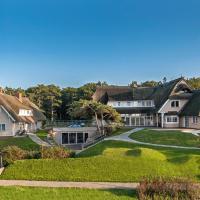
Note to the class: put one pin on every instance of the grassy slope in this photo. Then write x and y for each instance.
(111, 161)
(42, 134)
(167, 137)
(22, 142)
(22, 193)
(120, 131)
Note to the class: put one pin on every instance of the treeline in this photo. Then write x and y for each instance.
(193, 82)
(55, 101)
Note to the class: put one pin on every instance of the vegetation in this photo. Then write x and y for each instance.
(92, 109)
(55, 153)
(111, 161)
(12, 153)
(42, 134)
(23, 142)
(24, 193)
(166, 137)
(121, 130)
(168, 189)
(56, 101)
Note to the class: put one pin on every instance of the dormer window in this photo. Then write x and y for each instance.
(23, 112)
(175, 104)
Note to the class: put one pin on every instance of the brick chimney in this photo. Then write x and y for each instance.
(19, 96)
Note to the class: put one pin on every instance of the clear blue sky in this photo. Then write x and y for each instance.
(73, 42)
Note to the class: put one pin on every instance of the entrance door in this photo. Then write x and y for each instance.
(186, 122)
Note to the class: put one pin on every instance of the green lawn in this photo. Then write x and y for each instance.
(167, 137)
(42, 134)
(27, 193)
(23, 142)
(120, 131)
(111, 161)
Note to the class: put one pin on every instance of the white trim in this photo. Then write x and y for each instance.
(171, 116)
(8, 113)
(163, 106)
(179, 103)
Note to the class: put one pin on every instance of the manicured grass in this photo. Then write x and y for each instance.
(23, 142)
(42, 134)
(24, 193)
(167, 137)
(120, 131)
(111, 161)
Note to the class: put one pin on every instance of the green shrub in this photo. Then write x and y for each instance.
(168, 190)
(13, 153)
(55, 152)
(33, 155)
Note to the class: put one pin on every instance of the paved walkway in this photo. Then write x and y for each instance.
(57, 184)
(125, 138)
(37, 140)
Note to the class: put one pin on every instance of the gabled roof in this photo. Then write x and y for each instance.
(192, 108)
(12, 105)
(159, 94)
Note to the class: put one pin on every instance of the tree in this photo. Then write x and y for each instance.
(150, 84)
(93, 109)
(194, 82)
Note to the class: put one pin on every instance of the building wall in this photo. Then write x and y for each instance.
(10, 126)
(92, 133)
(191, 123)
(167, 107)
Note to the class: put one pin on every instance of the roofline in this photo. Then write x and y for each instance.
(8, 113)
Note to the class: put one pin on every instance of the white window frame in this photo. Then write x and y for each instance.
(171, 121)
(175, 101)
(195, 119)
(1, 125)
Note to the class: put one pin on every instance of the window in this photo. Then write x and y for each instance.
(80, 138)
(171, 119)
(65, 139)
(195, 119)
(118, 103)
(2, 127)
(175, 104)
(149, 103)
(143, 103)
(72, 138)
(128, 103)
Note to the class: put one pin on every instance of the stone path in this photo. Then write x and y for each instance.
(125, 138)
(37, 140)
(57, 184)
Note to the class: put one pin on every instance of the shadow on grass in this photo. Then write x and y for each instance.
(170, 153)
(179, 160)
(123, 193)
(134, 152)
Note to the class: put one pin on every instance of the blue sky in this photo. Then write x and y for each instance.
(73, 42)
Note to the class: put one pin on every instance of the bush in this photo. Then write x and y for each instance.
(33, 155)
(55, 152)
(109, 129)
(13, 153)
(168, 190)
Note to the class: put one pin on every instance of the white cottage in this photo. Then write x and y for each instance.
(18, 114)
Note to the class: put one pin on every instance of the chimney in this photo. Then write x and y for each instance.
(19, 96)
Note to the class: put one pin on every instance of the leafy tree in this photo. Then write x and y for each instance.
(92, 109)
(194, 83)
(149, 84)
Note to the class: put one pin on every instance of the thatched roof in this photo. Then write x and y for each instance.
(12, 105)
(125, 93)
(192, 108)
